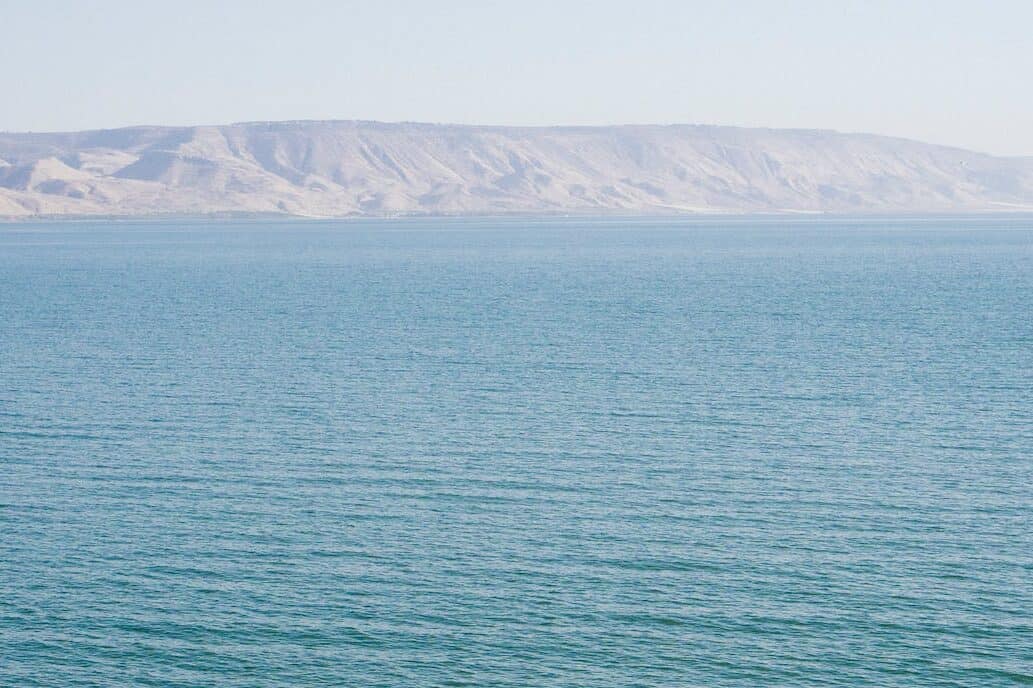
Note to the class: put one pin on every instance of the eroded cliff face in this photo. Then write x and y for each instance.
(329, 169)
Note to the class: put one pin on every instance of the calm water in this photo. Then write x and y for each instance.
(517, 453)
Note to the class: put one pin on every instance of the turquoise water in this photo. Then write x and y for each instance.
(517, 453)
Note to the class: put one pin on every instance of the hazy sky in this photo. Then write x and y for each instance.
(949, 72)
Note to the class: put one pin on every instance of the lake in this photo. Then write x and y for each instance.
(517, 452)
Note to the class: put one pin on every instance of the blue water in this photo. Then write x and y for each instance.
(517, 453)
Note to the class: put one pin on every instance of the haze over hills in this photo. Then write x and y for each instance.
(344, 168)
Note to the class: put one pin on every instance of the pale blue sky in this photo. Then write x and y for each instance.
(948, 72)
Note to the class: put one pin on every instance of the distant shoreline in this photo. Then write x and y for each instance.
(688, 218)
(343, 169)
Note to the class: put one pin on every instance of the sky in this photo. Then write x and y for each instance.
(956, 73)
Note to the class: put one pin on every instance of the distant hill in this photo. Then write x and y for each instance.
(342, 168)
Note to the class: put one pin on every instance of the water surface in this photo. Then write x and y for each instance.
(516, 453)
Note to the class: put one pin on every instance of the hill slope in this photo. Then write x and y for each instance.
(369, 168)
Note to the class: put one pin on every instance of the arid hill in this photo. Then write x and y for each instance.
(342, 168)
